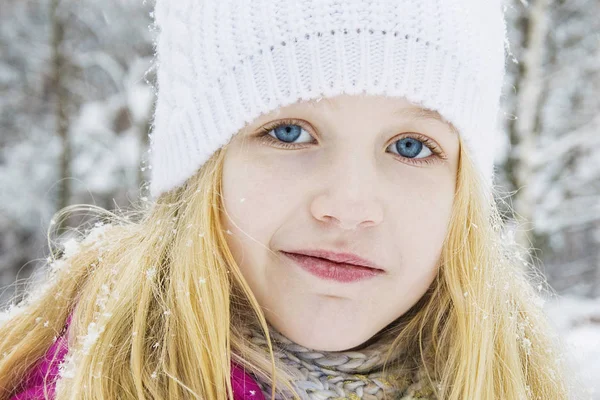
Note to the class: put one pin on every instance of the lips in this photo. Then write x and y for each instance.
(331, 270)
(343, 258)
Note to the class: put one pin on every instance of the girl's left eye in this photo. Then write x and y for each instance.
(410, 147)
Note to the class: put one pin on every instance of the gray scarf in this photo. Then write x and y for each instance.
(352, 374)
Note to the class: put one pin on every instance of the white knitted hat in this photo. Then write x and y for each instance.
(223, 63)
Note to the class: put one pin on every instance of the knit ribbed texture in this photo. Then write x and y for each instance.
(344, 374)
(222, 63)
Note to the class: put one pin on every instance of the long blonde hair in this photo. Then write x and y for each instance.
(157, 303)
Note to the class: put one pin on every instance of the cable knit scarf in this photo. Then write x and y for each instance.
(343, 374)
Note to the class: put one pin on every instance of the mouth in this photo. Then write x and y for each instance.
(331, 270)
(340, 258)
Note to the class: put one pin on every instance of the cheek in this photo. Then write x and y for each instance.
(260, 188)
(256, 205)
(420, 229)
(241, 213)
(257, 201)
(421, 226)
(254, 198)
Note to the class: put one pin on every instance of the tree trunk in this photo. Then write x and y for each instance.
(61, 99)
(526, 127)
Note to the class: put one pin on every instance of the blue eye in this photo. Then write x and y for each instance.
(284, 133)
(287, 132)
(410, 147)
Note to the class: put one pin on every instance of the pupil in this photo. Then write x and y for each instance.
(409, 147)
(288, 132)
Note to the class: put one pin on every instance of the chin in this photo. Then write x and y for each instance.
(335, 347)
(324, 340)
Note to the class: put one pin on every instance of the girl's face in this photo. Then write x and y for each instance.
(350, 174)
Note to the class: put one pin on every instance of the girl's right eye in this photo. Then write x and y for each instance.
(284, 132)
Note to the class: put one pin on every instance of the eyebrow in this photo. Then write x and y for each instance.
(418, 113)
(415, 113)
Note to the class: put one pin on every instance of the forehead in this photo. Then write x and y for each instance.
(397, 107)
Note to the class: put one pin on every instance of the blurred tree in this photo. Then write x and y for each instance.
(524, 130)
(552, 165)
(76, 96)
(58, 61)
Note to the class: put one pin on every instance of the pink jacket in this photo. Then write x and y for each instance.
(244, 386)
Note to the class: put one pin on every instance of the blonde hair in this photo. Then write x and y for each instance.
(158, 303)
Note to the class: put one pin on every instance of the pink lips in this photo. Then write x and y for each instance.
(331, 270)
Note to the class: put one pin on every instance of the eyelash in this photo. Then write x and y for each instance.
(268, 139)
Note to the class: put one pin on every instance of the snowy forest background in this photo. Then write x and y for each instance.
(77, 93)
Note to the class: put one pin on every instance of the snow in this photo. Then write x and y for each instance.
(577, 319)
(93, 333)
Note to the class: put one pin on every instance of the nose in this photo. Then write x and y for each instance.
(349, 199)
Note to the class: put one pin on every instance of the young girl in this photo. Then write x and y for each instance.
(323, 224)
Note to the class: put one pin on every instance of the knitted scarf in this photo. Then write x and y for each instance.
(352, 374)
